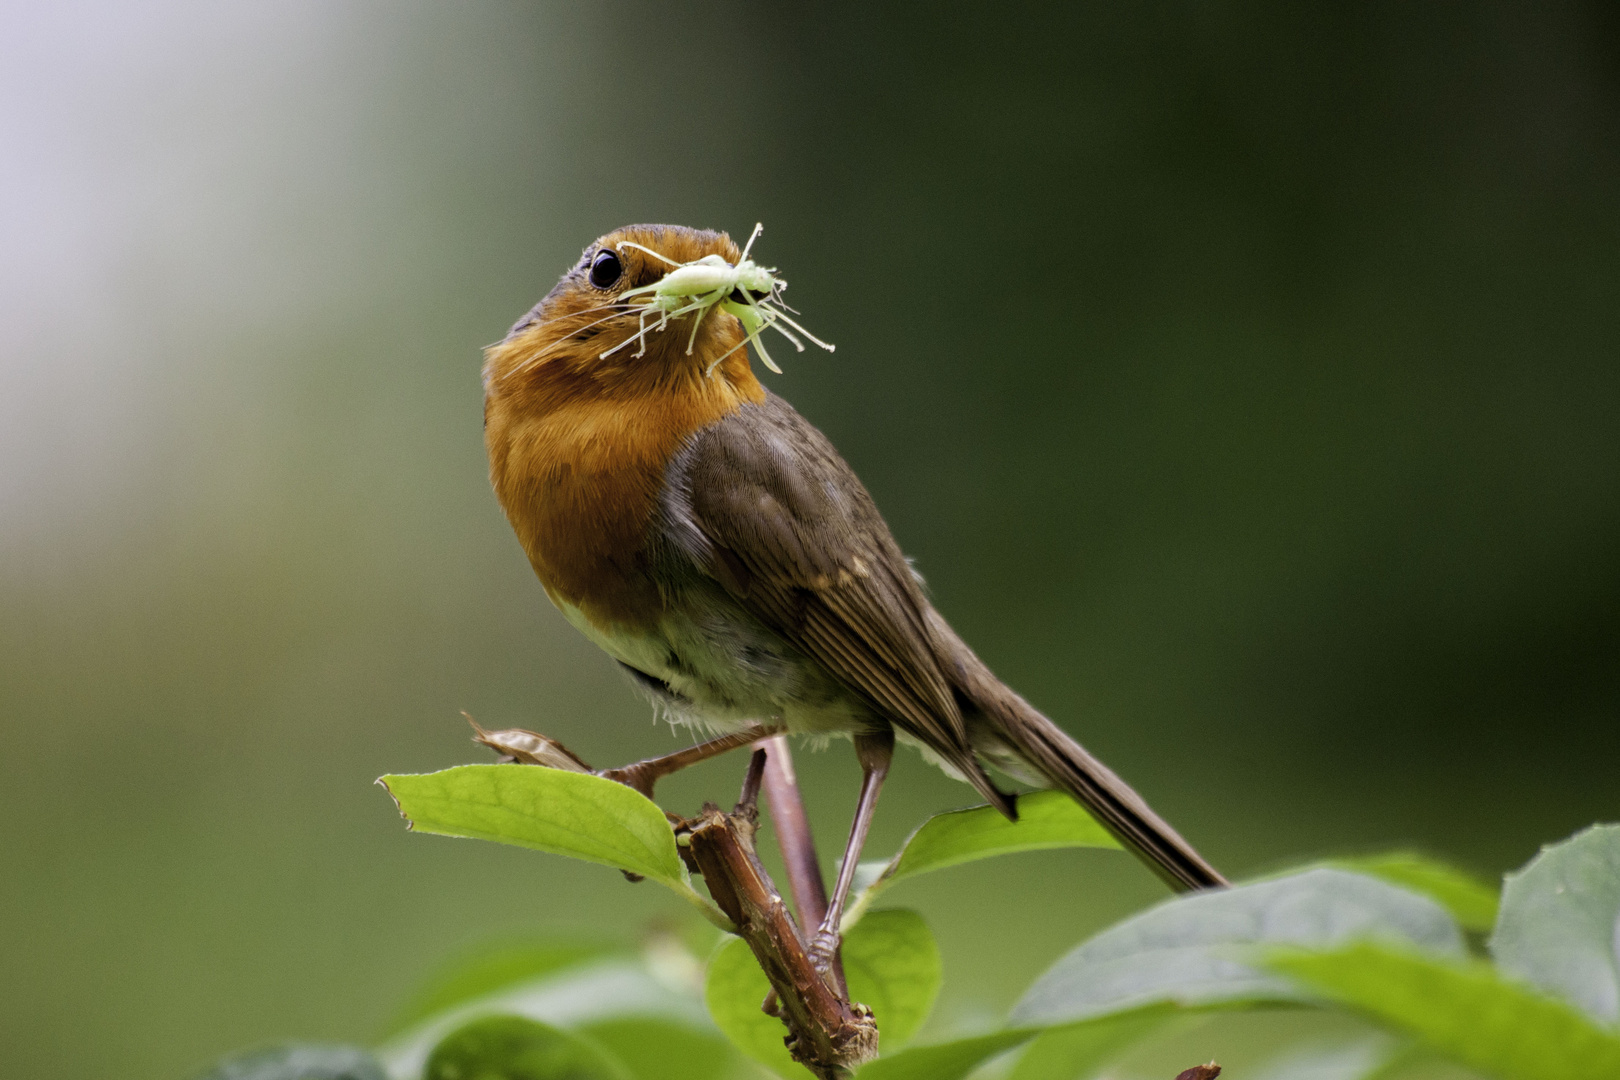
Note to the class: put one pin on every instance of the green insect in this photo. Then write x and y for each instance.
(751, 292)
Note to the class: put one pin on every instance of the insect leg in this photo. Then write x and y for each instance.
(707, 301)
(759, 227)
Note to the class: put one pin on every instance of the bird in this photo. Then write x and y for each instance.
(708, 538)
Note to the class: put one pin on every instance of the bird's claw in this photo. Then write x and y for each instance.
(823, 947)
(632, 776)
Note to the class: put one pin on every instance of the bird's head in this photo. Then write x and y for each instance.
(595, 327)
(646, 306)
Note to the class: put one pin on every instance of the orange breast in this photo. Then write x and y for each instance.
(578, 463)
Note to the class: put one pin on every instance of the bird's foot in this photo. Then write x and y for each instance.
(637, 776)
(823, 948)
(642, 775)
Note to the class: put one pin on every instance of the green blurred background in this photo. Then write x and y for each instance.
(1243, 377)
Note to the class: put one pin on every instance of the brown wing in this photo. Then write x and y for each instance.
(764, 503)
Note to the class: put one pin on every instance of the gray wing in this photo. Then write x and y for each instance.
(763, 504)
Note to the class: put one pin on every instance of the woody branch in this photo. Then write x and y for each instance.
(827, 1033)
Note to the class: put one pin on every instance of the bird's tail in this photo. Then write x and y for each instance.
(1111, 801)
(1000, 721)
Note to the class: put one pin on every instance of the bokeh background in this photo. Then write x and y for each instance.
(1243, 377)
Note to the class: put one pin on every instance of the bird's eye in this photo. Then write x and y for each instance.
(605, 269)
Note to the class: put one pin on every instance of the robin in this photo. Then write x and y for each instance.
(711, 540)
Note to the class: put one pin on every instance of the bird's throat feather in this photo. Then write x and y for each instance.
(577, 464)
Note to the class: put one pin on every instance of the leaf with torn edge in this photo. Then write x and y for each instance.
(1560, 914)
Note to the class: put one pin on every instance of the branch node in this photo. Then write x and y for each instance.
(827, 1033)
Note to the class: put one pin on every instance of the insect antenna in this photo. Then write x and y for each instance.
(767, 317)
(664, 317)
(555, 318)
(649, 251)
(775, 324)
(759, 227)
(537, 357)
(784, 317)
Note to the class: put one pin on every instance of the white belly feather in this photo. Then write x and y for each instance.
(723, 674)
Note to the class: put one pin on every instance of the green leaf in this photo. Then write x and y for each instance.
(1196, 949)
(575, 998)
(494, 968)
(516, 1048)
(893, 968)
(1358, 1059)
(1558, 923)
(1046, 819)
(1471, 901)
(943, 1061)
(1079, 1049)
(564, 813)
(735, 989)
(299, 1062)
(661, 1050)
(890, 962)
(1466, 1010)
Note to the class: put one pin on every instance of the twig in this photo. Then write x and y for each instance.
(530, 748)
(827, 1034)
(748, 800)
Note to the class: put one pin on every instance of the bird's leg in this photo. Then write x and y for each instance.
(529, 748)
(875, 751)
(642, 775)
(792, 827)
(793, 835)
